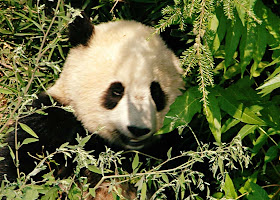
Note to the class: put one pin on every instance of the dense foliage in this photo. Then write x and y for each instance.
(230, 53)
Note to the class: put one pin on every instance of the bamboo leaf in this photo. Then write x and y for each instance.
(269, 86)
(232, 40)
(143, 191)
(29, 140)
(229, 189)
(165, 178)
(238, 110)
(231, 122)
(258, 193)
(5, 91)
(12, 153)
(246, 130)
(260, 47)
(28, 130)
(221, 31)
(94, 169)
(247, 46)
(182, 110)
(214, 117)
(29, 19)
(135, 161)
(259, 144)
(271, 154)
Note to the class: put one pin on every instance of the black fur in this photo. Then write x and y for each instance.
(112, 95)
(54, 128)
(158, 96)
(80, 31)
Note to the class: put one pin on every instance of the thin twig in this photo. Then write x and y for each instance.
(40, 54)
(5, 65)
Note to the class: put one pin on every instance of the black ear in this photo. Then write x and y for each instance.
(80, 30)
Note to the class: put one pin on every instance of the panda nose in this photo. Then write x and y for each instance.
(136, 131)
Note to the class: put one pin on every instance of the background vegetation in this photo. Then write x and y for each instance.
(230, 51)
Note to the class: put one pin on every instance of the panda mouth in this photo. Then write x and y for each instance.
(132, 143)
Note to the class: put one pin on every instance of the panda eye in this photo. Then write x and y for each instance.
(117, 89)
(158, 95)
(112, 95)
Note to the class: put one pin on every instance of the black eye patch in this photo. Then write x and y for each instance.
(158, 95)
(112, 95)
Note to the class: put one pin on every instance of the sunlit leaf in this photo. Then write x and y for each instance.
(269, 86)
(182, 110)
(238, 110)
(247, 129)
(229, 188)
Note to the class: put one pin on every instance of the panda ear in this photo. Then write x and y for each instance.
(80, 30)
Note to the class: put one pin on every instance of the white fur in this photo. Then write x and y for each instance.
(127, 52)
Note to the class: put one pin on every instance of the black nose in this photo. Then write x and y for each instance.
(136, 131)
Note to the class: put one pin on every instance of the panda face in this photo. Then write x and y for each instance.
(121, 82)
(133, 113)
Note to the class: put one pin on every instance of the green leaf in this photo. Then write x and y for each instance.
(51, 194)
(231, 122)
(259, 143)
(271, 21)
(143, 191)
(247, 186)
(169, 153)
(29, 140)
(12, 153)
(271, 154)
(182, 110)
(218, 195)
(135, 161)
(229, 189)
(74, 193)
(232, 40)
(237, 109)
(5, 91)
(94, 169)
(84, 140)
(246, 130)
(29, 19)
(269, 86)
(221, 31)
(165, 178)
(63, 145)
(214, 117)
(182, 182)
(92, 192)
(260, 47)
(247, 46)
(30, 194)
(28, 130)
(257, 193)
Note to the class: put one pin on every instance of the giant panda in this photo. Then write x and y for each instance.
(119, 78)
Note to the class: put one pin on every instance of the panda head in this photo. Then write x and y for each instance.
(120, 78)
